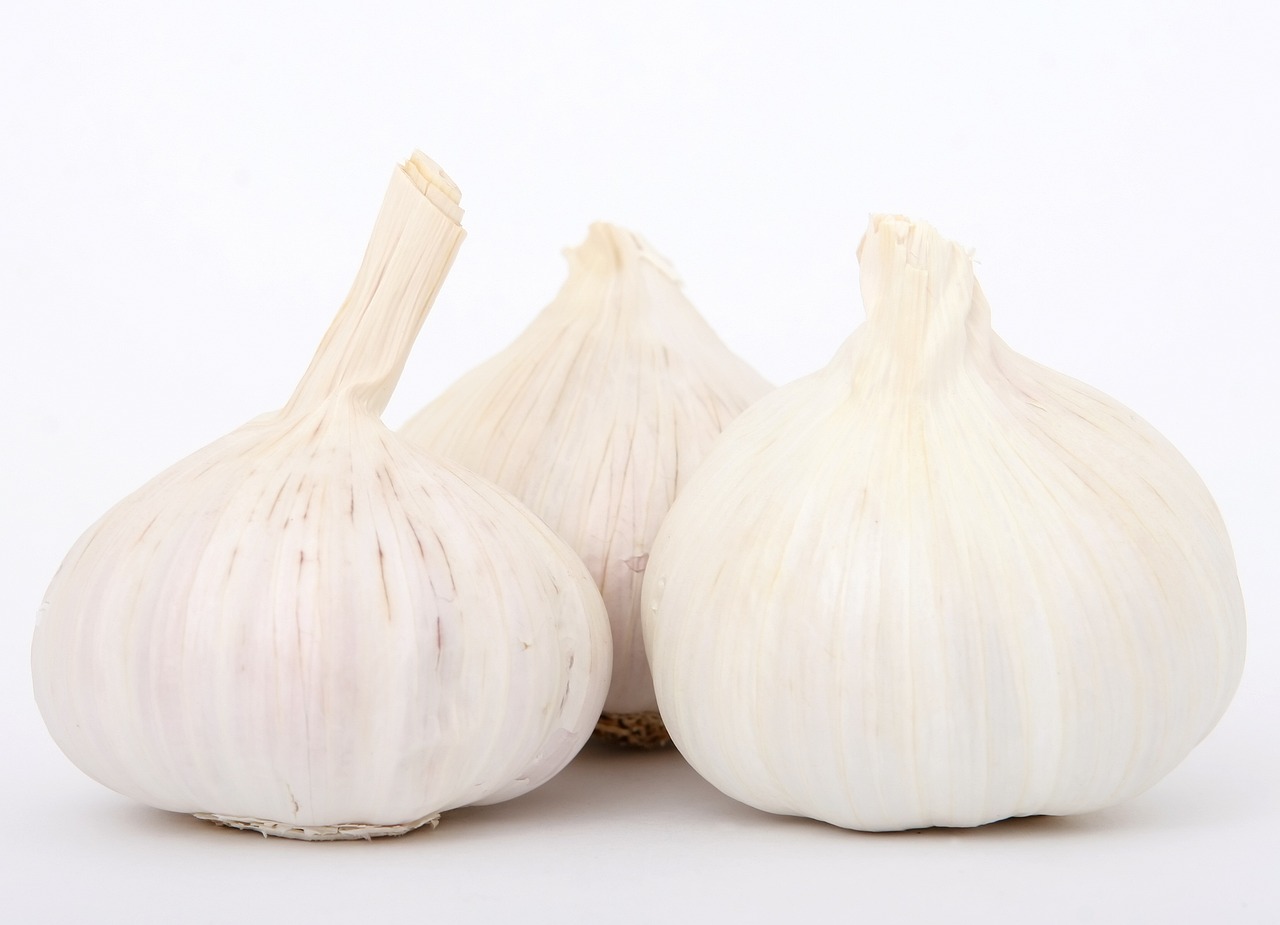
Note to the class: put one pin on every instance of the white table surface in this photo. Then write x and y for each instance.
(187, 190)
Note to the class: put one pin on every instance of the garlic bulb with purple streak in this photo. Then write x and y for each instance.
(312, 629)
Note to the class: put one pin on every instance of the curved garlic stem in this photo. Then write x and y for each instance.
(413, 244)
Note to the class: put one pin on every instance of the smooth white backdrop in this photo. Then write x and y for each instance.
(187, 189)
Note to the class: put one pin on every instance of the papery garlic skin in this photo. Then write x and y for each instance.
(311, 628)
(595, 416)
(937, 584)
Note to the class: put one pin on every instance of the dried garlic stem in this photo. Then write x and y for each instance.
(413, 245)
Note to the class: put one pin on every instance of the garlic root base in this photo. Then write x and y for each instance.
(632, 730)
(344, 832)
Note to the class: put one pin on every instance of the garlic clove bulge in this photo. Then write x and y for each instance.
(594, 417)
(937, 584)
(311, 628)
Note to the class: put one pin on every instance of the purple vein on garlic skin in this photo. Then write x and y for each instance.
(311, 629)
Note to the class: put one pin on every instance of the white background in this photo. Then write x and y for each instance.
(186, 193)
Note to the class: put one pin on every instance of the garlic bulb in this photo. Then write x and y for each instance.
(936, 583)
(312, 629)
(594, 417)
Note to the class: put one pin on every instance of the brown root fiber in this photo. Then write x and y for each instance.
(632, 730)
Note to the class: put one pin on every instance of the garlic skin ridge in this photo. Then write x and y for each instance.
(310, 628)
(594, 417)
(936, 583)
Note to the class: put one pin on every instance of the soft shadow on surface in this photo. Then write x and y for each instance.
(602, 782)
(149, 822)
(658, 789)
(1163, 811)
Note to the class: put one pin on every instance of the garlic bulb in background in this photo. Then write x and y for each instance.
(312, 629)
(594, 417)
(938, 584)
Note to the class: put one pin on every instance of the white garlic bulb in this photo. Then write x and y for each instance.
(594, 417)
(936, 583)
(312, 629)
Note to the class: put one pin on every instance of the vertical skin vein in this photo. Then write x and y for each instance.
(306, 683)
(959, 580)
(904, 606)
(1013, 642)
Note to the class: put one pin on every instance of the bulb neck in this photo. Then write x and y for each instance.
(414, 242)
(610, 251)
(618, 284)
(926, 315)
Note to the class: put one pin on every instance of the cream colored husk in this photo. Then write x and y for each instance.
(309, 627)
(937, 584)
(595, 416)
